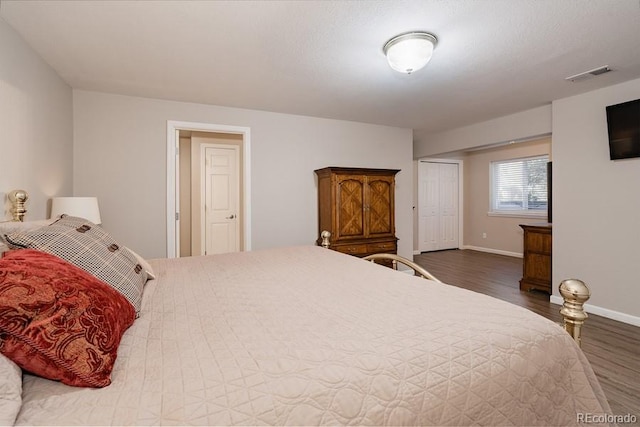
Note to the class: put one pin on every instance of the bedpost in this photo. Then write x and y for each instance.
(326, 235)
(18, 199)
(575, 293)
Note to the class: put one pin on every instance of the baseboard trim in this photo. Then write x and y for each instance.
(604, 312)
(492, 251)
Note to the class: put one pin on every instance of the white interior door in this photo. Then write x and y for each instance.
(221, 231)
(448, 174)
(429, 206)
(438, 205)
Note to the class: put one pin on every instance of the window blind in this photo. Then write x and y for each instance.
(519, 185)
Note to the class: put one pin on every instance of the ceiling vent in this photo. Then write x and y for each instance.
(589, 74)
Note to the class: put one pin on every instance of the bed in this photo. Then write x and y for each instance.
(309, 336)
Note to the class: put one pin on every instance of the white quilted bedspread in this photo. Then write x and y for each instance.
(307, 336)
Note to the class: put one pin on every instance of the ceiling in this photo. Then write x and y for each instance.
(324, 58)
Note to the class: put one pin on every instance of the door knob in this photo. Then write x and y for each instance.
(231, 217)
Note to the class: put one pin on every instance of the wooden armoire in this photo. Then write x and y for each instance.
(357, 206)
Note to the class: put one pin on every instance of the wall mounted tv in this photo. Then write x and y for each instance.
(623, 123)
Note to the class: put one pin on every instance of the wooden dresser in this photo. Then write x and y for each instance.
(357, 206)
(536, 267)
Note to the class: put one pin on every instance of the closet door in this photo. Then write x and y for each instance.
(448, 206)
(438, 206)
(428, 206)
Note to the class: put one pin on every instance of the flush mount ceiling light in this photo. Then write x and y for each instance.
(410, 52)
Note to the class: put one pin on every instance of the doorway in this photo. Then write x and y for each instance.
(439, 201)
(198, 157)
(210, 193)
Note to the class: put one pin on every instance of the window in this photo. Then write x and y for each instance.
(519, 186)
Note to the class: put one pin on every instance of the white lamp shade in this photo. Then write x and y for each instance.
(410, 52)
(83, 207)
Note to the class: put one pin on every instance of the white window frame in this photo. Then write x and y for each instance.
(521, 213)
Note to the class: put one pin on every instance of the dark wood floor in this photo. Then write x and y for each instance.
(613, 348)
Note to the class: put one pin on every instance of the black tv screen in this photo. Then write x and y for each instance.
(623, 123)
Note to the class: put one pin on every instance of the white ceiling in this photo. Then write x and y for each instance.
(324, 58)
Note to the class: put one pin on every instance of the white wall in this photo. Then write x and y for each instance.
(36, 142)
(596, 203)
(526, 124)
(120, 149)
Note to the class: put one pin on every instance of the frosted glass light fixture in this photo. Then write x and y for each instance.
(410, 52)
(83, 207)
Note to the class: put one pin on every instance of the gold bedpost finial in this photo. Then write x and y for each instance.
(325, 239)
(18, 199)
(575, 293)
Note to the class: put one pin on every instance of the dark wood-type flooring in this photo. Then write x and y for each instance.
(613, 348)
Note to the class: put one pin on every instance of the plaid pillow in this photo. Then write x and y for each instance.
(91, 248)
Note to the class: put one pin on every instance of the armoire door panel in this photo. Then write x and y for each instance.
(350, 215)
(379, 208)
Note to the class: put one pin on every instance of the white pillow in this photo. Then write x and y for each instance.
(10, 391)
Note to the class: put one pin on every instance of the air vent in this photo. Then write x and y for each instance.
(589, 74)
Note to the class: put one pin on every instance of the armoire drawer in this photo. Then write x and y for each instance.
(355, 249)
(381, 247)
